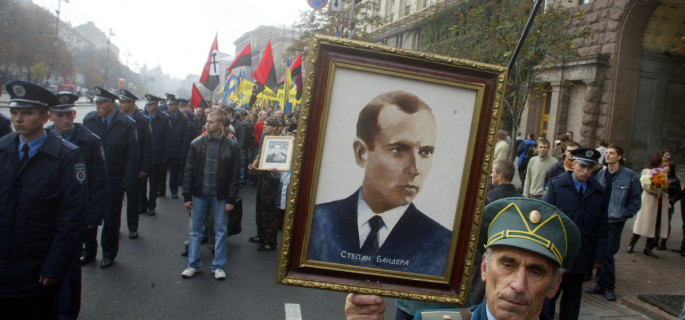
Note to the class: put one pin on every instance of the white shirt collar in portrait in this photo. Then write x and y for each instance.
(364, 214)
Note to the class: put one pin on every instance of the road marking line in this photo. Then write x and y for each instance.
(292, 311)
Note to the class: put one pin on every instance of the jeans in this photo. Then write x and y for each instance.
(606, 275)
(197, 223)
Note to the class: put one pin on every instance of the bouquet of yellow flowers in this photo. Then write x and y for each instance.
(655, 179)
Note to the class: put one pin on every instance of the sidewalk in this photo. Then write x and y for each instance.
(638, 274)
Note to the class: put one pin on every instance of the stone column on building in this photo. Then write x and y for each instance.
(588, 130)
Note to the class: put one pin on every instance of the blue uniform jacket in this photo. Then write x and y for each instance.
(89, 144)
(144, 140)
(161, 138)
(120, 143)
(42, 214)
(180, 136)
(416, 244)
(589, 214)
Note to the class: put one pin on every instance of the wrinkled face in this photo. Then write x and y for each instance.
(517, 282)
(152, 108)
(611, 156)
(64, 121)
(28, 122)
(105, 108)
(126, 106)
(496, 177)
(543, 149)
(581, 172)
(400, 158)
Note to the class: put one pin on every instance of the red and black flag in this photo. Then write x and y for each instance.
(266, 72)
(210, 73)
(196, 99)
(244, 58)
(296, 73)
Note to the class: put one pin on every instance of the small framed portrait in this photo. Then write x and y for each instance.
(276, 153)
(390, 171)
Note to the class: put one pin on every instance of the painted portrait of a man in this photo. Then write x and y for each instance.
(379, 226)
(277, 153)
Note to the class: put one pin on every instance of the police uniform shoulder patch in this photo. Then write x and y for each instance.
(80, 172)
(69, 145)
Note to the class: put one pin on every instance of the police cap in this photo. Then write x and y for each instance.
(586, 156)
(102, 94)
(66, 102)
(183, 102)
(25, 95)
(152, 99)
(125, 95)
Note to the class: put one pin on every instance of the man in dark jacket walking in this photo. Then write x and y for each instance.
(210, 179)
(43, 203)
(136, 200)
(582, 199)
(62, 115)
(118, 134)
(161, 144)
(180, 137)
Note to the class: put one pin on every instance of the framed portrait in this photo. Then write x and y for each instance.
(390, 171)
(276, 153)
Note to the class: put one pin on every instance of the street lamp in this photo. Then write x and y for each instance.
(109, 37)
(53, 72)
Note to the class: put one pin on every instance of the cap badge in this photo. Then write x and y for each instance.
(535, 217)
(589, 153)
(19, 91)
(97, 91)
(63, 99)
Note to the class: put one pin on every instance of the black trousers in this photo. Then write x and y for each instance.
(90, 246)
(157, 176)
(42, 307)
(266, 214)
(112, 222)
(142, 194)
(174, 173)
(571, 291)
(133, 205)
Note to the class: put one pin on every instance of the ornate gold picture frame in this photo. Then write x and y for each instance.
(400, 135)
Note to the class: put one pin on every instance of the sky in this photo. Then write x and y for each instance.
(176, 34)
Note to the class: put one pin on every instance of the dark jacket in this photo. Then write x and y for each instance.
(416, 244)
(626, 194)
(144, 132)
(502, 191)
(161, 138)
(5, 125)
(249, 141)
(588, 213)
(180, 136)
(121, 147)
(193, 129)
(90, 147)
(239, 133)
(228, 170)
(555, 170)
(42, 214)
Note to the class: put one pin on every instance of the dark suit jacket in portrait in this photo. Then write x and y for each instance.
(416, 244)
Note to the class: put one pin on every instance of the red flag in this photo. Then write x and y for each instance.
(244, 58)
(196, 98)
(296, 67)
(210, 73)
(265, 72)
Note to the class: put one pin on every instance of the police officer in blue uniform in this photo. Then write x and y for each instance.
(135, 193)
(62, 116)
(161, 144)
(583, 200)
(119, 140)
(43, 202)
(180, 136)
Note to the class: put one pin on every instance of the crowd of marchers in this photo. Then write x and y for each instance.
(591, 187)
(62, 181)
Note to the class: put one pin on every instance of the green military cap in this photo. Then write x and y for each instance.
(532, 225)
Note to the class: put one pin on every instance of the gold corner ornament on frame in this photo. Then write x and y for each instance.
(390, 171)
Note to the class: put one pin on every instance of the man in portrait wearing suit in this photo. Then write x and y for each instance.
(378, 226)
(277, 154)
